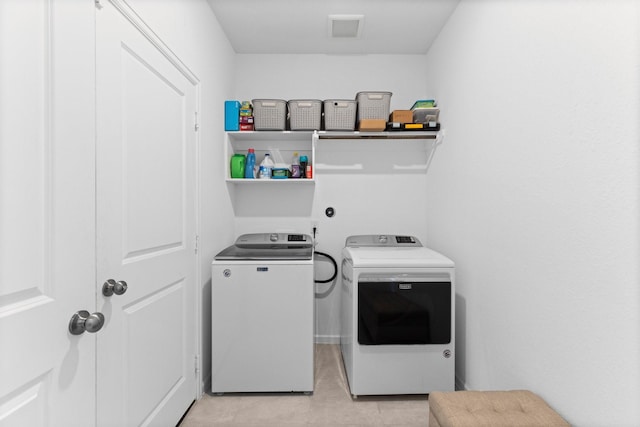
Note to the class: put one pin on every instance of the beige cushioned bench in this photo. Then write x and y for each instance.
(515, 408)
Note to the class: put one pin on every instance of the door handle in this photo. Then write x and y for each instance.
(111, 287)
(82, 321)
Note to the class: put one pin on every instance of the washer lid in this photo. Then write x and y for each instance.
(269, 246)
(274, 241)
(390, 257)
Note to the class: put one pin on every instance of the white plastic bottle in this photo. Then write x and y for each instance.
(266, 167)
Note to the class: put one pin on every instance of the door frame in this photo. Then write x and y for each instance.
(130, 15)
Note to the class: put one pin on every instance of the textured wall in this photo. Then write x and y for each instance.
(534, 194)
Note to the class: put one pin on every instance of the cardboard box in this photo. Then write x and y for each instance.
(372, 125)
(401, 116)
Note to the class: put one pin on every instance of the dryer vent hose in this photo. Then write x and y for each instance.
(335, 267)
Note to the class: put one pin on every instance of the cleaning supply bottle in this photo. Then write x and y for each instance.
(303, 166)
(250, 164)
(266, 167)
(238, 165)
(295, 165)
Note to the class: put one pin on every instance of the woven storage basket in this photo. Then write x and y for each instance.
(305, 114)
(269, 114)
(373, 105)
(340, 114)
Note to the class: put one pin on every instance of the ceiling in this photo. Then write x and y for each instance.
(302, 26)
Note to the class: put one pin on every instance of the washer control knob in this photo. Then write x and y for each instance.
(273, 237)
(382, 239)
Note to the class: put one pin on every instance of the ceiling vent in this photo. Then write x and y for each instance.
(345, 26)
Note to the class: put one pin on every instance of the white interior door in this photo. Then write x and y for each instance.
(47, 212)
(146, 137)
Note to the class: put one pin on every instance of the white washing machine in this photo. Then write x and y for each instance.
(262, 312)
(397, 316)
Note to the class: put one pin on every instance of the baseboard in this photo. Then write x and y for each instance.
(327, 339)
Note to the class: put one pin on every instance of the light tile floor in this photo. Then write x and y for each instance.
(330, 404)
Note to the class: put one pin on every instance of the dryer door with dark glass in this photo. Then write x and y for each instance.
(403, 309)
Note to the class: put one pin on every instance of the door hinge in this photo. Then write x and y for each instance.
(196, 125)
(196, 367)
(197, 242)
(98, 4)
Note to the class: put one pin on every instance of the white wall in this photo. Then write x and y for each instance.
(191, 30)
(331, 76)
(535, 195)
(368, 202)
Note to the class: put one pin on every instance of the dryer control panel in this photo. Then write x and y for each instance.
(382, 240)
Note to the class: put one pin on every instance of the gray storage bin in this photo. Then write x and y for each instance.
(340, 114)
(269, 114)
(373, 105)
(305, 114)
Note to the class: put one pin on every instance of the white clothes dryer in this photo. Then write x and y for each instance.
(397, 316)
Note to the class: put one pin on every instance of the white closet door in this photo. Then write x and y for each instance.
(146, 137)
(47, 212)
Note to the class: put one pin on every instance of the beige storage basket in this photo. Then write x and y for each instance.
(269, 114)
(305, 114)
(373, 105)
(340, 114)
